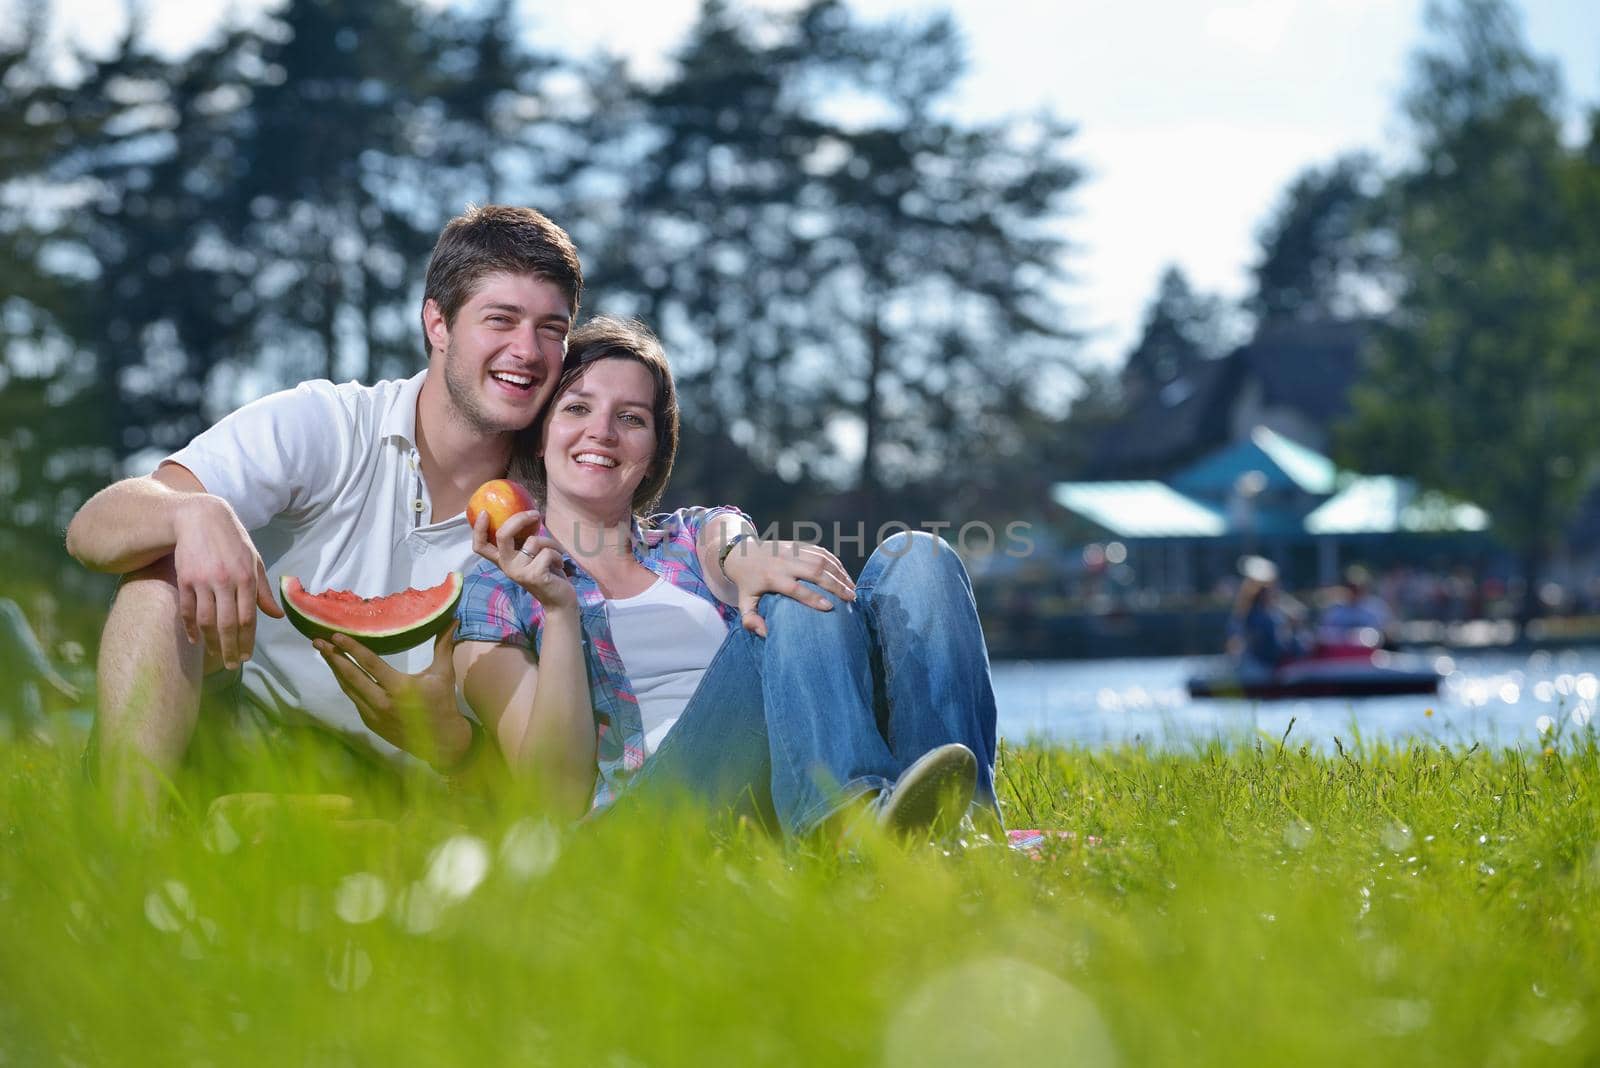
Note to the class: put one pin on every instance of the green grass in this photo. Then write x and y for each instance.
(1246, 904)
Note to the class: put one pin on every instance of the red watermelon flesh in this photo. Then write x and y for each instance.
(386, 624)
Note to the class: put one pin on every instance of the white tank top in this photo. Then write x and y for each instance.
(666, 637)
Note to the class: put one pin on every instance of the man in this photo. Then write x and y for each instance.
(1357, 609)
(347, 487)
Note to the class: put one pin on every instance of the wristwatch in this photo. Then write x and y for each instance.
(722, 557)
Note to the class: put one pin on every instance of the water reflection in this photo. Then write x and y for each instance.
(1494, 699)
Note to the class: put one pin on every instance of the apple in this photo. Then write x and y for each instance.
(501, 499)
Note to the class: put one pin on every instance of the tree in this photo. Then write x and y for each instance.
(32, 124)
(1322, 246)
(148, 168)
(1482, 382)
(699, 241)
(55, 446)
(373, 123)
(1181, 328)
(938, 260)
(491, 127)
(325, 207)
(857, 287)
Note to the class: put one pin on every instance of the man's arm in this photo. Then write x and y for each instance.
(221, 580)
(133, 523)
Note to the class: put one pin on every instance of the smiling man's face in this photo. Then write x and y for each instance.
(502, 354)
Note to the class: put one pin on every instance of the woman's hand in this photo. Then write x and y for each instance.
(759, 567)
(531, 561)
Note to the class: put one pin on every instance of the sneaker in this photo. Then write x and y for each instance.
(932, 795)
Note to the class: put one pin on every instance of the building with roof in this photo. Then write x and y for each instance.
(1270, 495)
(1293, 378)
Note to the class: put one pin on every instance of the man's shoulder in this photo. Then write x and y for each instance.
(375, 409)
(355, 394)
(291, 449)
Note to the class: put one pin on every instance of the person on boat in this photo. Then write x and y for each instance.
(346, 486)
(1357, 617)
(611, 655)
(1262, 637)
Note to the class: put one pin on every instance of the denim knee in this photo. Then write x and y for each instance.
(914, 556)
(775, 606)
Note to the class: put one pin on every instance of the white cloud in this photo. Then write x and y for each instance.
(1257, 26)
(172, 28)
(1191, 194)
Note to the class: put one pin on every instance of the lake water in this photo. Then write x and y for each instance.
(1493, 698)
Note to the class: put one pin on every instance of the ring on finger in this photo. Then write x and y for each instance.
(526, 553)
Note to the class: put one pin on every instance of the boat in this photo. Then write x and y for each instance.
(1371, 673)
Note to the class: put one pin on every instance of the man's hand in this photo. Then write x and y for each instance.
(221, 580)
(416, 713)
(759, 567)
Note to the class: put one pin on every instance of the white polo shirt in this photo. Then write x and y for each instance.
(328, 481)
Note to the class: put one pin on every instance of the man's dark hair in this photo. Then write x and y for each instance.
(606, 338)
(498, 238)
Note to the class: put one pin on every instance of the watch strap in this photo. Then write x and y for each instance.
(733, 542)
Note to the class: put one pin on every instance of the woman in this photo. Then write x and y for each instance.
(1261, 637)
(606, 654)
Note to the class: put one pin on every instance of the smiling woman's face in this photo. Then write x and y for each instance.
(600, 437)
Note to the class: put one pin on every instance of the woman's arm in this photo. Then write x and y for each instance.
(723, 528)
(538, 710)
(755, 567)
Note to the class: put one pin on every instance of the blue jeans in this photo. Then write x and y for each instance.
(835, 705)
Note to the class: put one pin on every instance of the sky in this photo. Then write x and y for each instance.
(1192, 116)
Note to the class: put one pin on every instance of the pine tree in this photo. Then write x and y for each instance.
(1321, 250)
(1482, 382)
(1181, 328)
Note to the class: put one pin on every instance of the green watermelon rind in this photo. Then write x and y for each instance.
(382, 642)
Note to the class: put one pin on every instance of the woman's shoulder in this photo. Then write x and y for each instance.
(486, 573)
(493, 607)
(686, 522)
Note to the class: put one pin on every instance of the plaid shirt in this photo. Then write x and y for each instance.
(493, 608)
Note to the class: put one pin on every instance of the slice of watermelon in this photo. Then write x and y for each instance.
(383, 624)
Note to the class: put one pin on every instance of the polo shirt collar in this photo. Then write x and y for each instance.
(400, 421)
